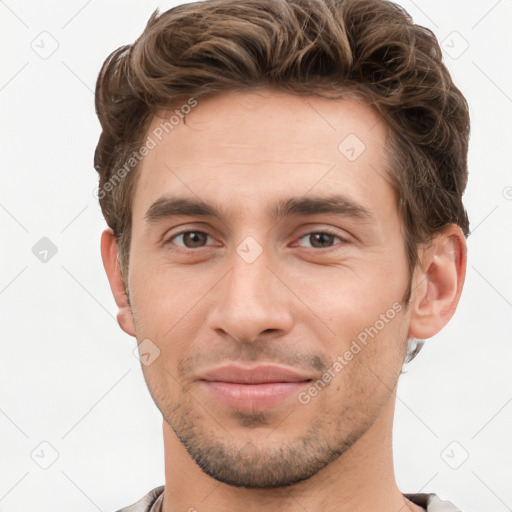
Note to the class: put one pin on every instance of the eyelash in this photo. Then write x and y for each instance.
(183, 248)
(323, 232)
(309, 233)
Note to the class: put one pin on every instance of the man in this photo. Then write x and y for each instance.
(282, 182)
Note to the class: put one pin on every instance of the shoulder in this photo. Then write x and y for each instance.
(145, 504)
(432, 503)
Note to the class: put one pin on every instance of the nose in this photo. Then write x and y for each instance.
(251, 302)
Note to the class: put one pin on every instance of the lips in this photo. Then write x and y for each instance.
(253, 388)
(261, 374)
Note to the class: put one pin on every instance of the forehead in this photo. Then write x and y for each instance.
(257, 145)
(276, 122)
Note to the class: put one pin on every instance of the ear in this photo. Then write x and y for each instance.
(437, 284)
(111, 264)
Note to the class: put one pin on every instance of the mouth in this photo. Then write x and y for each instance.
(253, 388)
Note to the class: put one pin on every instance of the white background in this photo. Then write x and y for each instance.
(68, 374)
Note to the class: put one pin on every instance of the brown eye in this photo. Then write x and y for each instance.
(319, 240)
(191, 239)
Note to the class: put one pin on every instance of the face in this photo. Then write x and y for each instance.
(267, 269)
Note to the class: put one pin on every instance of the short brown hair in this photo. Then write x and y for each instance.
(329, 48)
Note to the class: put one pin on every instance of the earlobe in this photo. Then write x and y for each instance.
(438, 282)
(111, 264)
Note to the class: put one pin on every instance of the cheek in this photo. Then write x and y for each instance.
(162, 297)
(170, 308)
(163, 386)
(367, 321)
(351, 300)
(370, 361)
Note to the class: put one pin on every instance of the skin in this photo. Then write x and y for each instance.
(299, 304)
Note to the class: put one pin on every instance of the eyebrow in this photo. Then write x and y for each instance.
(333, 204)
(170, 207)
(296, 206)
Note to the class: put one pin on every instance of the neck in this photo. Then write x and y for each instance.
(362, 479)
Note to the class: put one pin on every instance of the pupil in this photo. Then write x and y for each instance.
(321, 239)
(194, 239)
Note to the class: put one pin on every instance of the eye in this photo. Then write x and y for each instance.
(319, 240)
(190, 239)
